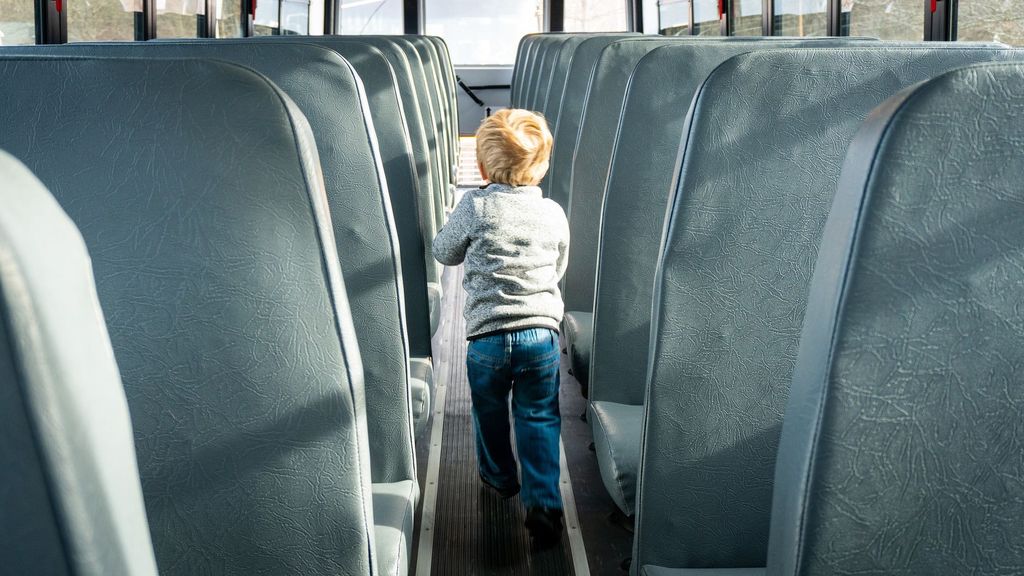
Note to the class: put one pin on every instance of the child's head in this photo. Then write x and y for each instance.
(513, 146)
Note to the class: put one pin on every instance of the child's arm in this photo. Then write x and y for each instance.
(563, 249)
(451, 242)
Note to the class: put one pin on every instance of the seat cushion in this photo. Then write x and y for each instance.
(421, 383)
(617, 430)
(394, 505)
(578, 328)
(659, 571)
(434, 299)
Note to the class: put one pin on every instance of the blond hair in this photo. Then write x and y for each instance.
(513, 146)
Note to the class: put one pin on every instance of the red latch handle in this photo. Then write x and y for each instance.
(721, 8)
(60, 6)
(935, 6)
(252, 6)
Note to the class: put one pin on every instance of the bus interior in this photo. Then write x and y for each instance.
(793, 332)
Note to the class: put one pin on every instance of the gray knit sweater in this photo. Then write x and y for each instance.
(515, 244)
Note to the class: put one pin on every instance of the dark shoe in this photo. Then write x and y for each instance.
(503, 493)
(545, 526)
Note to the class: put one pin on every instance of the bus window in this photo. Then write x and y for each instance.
(991, 21)
(746, 17)
(286, 17)
(650, 16)
(481, 32)
(178, 18)
(884, 19)
(229, 18)
(674, 16)
(370, 17)
(801, 17)
(705, 18)
(595, 16)
(17, 22)
(101, 20)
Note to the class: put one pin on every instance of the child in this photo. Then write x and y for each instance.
(515, 244)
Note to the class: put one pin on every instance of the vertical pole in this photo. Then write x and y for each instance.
(331, 17)
(51, 21)
(556, 15)
(768, 17)
(411, 16)
(833, 26)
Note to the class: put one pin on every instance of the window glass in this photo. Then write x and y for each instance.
(295, 16)
(801, 17)
(884, 19)
(596, 16)
(100, 20)
(650, 16)
(746, 17)
(705, 18)
(991, 21)
(17, 22)
(674, 17)
(482, 32)
(282, 17)
(178, 18)
(229, 18)
(371, 17)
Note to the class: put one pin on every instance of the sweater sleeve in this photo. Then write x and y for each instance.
(563, 244)
(452, 241)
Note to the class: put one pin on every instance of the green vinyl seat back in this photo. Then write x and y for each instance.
(757, 179)
(570, 111)
(902, 425)
(599, 118)
(326, 89)
(635, 203)
(216, 269)
(438, 103)
(70, 493)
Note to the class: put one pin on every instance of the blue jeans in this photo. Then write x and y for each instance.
(525, 363)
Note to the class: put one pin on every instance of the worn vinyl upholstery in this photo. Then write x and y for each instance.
(559, 74)
(642, 167)
(545, 66)
(70, 495)
(432, 70)
(901, 451)
(447, 79)
(218, 274)
(326, 89)
(426, 202)
(744, 229)
(569, 115)
(394, 142)
(589, 169)
(430, 123)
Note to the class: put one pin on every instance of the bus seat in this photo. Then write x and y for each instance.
(576, 330)
(448, 83)
(197, 188)
(393, 513)
(730, 295)
(428, 206)
(438, 102)
(381, 85)
(640, 176)
(570, 109)
(70, 492)
(421, 374)
(547, 52)
(906, 390)
(559, 74)
(600, 115)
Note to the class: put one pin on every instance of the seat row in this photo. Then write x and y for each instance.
(256, 215)
(788, 298)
